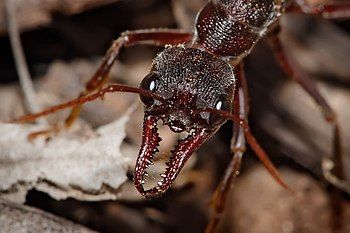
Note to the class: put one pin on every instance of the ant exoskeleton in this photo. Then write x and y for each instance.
(197, 83)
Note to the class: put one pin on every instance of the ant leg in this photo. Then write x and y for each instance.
(158, 37)
(293, 71)
(331, 9)
(238, 148)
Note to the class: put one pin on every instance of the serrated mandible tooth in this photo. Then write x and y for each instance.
(149, 162)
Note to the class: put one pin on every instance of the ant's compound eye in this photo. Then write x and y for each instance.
(221, 104)
(218, 105)
(149, 83)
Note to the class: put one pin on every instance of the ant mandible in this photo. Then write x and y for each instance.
(197, 83)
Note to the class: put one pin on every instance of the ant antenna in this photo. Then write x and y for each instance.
(81, 100)
(259, 151)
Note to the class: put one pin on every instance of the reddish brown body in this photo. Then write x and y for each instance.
(232, 27)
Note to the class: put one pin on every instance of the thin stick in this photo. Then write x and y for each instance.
(21, 65)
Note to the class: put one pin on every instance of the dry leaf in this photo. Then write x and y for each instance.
(84, 168)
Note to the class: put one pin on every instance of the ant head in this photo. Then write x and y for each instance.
(189, 79)
(186, 80)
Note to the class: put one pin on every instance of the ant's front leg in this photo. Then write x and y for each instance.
(332, 9)
(157, 37)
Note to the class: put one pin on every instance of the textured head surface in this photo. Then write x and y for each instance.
(189, 79)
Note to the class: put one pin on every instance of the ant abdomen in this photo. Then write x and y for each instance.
(232, 27)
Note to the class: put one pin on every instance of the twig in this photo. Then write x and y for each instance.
(21, 65)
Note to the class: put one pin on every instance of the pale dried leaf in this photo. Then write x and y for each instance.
(90, 168)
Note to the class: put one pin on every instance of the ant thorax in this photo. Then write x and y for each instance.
(231, 28)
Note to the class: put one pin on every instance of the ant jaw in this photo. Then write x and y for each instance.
(179, 156)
